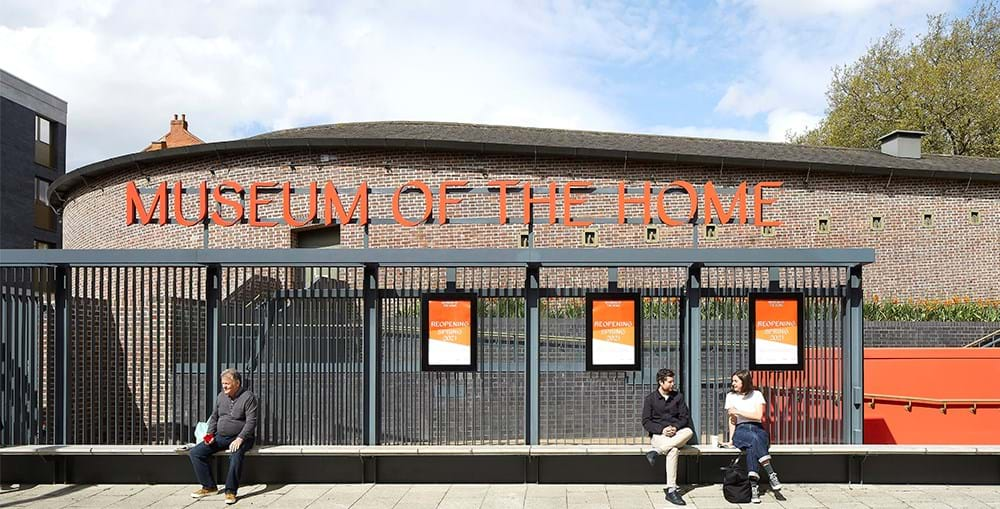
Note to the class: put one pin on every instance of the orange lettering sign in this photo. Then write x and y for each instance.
(167, 200)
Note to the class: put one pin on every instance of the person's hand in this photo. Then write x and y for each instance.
(669, 431)
(733, 412)
(235, 444)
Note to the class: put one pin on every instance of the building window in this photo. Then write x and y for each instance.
(42, 191)
(317, 237)
(974, 217)
(41, 244)
(45, 218)
(43, 142)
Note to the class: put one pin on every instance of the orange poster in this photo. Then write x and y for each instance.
(450, 321)
(449, 332)
(776, 330)
(777, 320)
(613, 335)
(614, 322)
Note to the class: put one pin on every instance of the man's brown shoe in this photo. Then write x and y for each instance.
(203, 492)
(230, 498)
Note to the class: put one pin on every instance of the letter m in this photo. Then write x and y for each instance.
(133, 204)
(737, 206)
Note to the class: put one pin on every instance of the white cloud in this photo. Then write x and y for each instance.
(850, 8)
(126, 68)
(780, 122)
(719, 133)
(791, 48)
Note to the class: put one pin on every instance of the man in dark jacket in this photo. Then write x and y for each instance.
(231, 427)
(666, 418)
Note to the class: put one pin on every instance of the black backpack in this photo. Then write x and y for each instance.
(735, 483)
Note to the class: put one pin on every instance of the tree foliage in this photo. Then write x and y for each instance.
(946, 83)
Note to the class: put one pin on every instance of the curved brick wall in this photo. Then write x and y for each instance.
(952, 258)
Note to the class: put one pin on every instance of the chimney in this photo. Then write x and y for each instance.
(902, 143)
(178, 125)
(178, 136)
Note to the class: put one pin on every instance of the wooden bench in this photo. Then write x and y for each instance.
(558, 463)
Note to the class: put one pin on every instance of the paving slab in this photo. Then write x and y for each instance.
(498, 496)
(545, 503)
(458, 503)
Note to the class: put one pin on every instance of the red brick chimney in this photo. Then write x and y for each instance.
(179, 136)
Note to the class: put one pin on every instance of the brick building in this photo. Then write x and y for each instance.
(140, 346)
(933, 220)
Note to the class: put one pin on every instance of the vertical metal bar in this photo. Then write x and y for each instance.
(159, 380)
(6, 339)
(191, 341)
(170, 290)
(106, 370)
(213, 273)
(16, 340)
(371, 356)
(692, 347)
(61, 422)
(853, 357)
(531, 351)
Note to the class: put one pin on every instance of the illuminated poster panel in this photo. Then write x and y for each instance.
(614, 331)
(448, 332)
(776, 321)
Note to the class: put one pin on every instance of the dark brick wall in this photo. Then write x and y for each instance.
(925, 334)
(17, 177)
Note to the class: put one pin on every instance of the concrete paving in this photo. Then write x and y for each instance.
(496, 496)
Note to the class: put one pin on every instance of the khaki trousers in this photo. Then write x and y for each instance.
(667, 446)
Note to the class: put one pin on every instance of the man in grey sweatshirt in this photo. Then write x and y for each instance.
(231, 427)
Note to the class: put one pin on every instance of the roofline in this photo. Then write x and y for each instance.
(899, 132)
(66, 184)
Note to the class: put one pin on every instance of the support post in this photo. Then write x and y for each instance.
(213, 290)
(372, 355)
(852, 360)
(773, 279)
(531, 354)
(691, 348)
(61, 331)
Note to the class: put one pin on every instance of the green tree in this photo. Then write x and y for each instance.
(946, 83)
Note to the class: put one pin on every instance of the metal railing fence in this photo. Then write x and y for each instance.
(804, 407)
(125, 347)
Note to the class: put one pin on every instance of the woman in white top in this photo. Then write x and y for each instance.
(745, 406)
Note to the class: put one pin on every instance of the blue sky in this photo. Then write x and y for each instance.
(740, 69)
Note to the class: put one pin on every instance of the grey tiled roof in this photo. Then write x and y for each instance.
(530, 140)
(640, 145)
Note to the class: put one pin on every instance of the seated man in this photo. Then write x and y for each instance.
(231, 427)
(666, 418)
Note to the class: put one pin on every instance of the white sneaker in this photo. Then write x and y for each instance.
(775, 483)
(754, 493)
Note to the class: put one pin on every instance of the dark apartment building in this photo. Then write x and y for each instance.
(32, 156)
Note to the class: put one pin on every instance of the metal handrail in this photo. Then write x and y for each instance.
(909, 400)
(994, 336)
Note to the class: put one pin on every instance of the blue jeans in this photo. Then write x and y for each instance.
(753, 439)
(201, 454)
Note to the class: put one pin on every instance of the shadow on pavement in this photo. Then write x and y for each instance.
(48, 496)
(267, 489)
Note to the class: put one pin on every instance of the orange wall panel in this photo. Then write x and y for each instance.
(940, 373)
